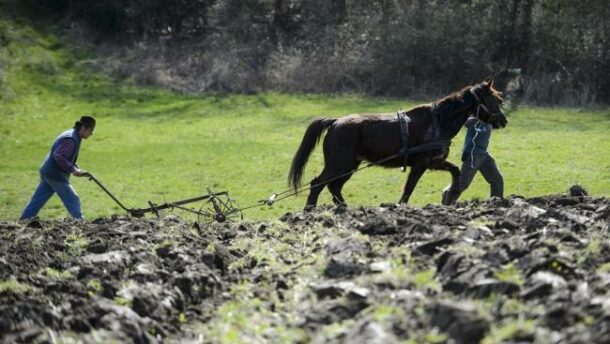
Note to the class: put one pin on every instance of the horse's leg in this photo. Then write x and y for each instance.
(415, 173)
(452, 192)
(339, 158)
(336, 186)
(317, 185)
(314, 193)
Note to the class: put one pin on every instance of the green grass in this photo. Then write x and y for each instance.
(14, 286)
(510, 274)
(57, 274)
(152, 144)
(517, 329)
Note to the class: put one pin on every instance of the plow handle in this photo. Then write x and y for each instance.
(91, 177)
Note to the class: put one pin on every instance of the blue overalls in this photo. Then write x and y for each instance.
(53, 179)
(476, 158)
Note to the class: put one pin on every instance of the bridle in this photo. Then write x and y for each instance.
(484, 106)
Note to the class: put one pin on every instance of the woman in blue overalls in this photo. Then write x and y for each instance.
(476, 158)
(57, 167)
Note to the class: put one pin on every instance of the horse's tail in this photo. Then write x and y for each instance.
(310, 140)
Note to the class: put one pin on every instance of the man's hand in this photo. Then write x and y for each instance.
(80, 173)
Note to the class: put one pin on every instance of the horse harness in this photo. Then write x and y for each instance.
(405, 150)
(404, 120)
(481, 104)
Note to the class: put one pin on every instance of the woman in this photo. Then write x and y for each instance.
(475, 157)
(57, 167)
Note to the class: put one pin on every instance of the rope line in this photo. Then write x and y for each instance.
(289, 192)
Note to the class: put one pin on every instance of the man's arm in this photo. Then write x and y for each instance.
(61, 155)
(64, 150)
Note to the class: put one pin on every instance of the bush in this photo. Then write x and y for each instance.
(414, 48)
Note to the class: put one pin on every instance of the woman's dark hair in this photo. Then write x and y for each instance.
(85, 121)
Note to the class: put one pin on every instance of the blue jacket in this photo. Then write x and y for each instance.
(49, 167)
(477, 138)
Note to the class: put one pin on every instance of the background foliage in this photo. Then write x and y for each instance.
(152, 144)
(542, 51)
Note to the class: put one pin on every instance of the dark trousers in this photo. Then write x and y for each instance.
(485, 164)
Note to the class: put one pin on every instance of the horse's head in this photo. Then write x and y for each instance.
(488, 104)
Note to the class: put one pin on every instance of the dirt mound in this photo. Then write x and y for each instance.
(512, 270)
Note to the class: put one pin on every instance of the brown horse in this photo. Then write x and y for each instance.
(377, 138)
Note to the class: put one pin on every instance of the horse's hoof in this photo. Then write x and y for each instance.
(449, 197)
(309, 207)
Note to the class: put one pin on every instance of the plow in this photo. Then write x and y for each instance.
(216, 206)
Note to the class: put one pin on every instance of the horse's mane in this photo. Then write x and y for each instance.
(457, 95)
(456, 98)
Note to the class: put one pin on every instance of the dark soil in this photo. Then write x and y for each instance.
(513, 271)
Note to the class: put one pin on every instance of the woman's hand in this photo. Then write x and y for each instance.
(80, 173)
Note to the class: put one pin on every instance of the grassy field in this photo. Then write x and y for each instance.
(156, 145)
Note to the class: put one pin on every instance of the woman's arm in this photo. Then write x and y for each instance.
(61, 155)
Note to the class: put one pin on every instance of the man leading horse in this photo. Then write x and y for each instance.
(378, 139)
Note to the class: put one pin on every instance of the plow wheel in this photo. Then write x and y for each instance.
(219, 208)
